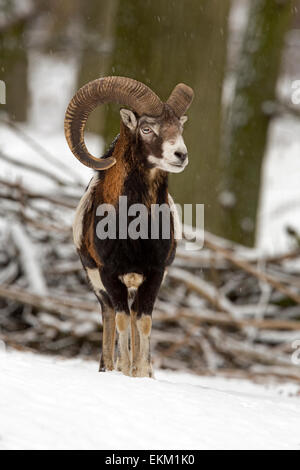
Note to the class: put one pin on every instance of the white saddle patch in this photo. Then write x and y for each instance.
(95, 279)
(84, 205)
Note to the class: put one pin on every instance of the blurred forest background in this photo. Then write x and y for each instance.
(232, 307)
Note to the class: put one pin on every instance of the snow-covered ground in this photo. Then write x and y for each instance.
(48, 403)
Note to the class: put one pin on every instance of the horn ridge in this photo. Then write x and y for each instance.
(120, 90)
(181, 99)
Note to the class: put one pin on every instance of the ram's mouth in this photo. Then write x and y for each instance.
(180, 165)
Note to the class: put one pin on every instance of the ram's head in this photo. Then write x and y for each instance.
(156, 127)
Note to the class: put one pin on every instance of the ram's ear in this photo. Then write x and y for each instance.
(128, 118)
(183, 119)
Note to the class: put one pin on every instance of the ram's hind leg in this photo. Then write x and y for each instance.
(108, 320)
(143, 305)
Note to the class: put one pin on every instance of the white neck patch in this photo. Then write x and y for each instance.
(169, 161)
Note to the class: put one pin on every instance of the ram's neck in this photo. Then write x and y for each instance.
(146, 186)
(130, 177)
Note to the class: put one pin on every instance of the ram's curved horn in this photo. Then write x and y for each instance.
(180, 99)
(120, 90)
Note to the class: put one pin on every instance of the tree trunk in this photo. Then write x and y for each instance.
(246, 132)
(162, 43)
(97, 41)
(14, 65)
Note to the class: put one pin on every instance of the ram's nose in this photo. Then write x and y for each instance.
(182, 156)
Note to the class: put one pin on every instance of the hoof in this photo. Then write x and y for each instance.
(142, 371)
(123, 367)
(103, 367)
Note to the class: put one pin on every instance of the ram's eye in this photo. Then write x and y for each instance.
(146, 130)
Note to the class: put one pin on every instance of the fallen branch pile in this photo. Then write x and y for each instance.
(223, 309)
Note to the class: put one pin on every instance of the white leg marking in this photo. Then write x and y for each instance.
(123, 361)
(108, 339)
(143, 367)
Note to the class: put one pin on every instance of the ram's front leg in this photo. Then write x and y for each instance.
(134, 340)
(108, 337)
(119, 297)
(143, 305)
